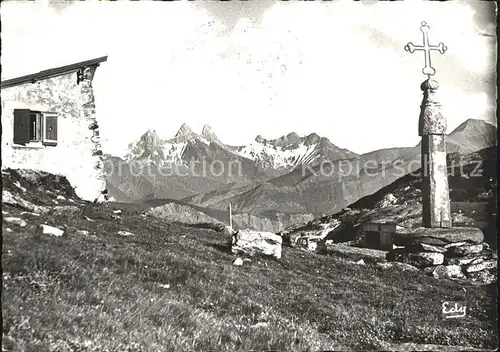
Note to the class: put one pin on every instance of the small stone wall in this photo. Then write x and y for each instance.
(454, 253)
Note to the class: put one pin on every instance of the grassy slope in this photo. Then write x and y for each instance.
(104, 291)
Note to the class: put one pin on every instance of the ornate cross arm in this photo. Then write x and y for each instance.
(426, 48)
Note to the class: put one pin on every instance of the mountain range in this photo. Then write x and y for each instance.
(190, 163)
(283, 153)
(292, 174)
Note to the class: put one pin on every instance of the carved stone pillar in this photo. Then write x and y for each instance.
(435, 190)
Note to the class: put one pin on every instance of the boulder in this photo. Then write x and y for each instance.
(462, 260)
(436, 236)
(63, 209)
(125, 233)
(11, 220)
(29, 213)
(478, 260)
(448, 272)
(484, 265)
(52, 231)
(455, 244)
(466, 249)
(311, 244)
(483, 277)
(319, 232)
(238, 262)
(256, 242)
(402, 266)
(419, 259)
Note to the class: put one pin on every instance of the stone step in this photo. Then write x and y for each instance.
(436, 236)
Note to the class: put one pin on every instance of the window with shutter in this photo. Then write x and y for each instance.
(32, 127)
(21, 126)
(50, 129)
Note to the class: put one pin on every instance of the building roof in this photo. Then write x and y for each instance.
(53, 72)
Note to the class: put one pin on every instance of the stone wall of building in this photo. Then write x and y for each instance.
(76, 154)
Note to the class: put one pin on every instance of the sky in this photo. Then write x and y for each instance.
(270, 68)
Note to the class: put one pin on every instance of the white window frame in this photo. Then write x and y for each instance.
(44, 126)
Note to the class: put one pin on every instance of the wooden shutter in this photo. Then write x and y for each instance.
(50, 129)
(21, 126)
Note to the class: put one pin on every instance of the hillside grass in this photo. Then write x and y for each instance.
(171, 287)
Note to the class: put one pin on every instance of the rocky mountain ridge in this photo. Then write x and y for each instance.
(283, 153)
(292, 150)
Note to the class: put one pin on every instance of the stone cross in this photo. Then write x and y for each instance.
(426, 48)
(432, 128)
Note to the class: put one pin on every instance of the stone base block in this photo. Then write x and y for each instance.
(437, 236)
(256, 243)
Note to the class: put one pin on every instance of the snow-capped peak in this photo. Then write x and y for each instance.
(285, 152)
(185, 133)
(291, 150)
(209, 134)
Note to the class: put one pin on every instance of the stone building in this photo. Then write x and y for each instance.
(49, 124)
